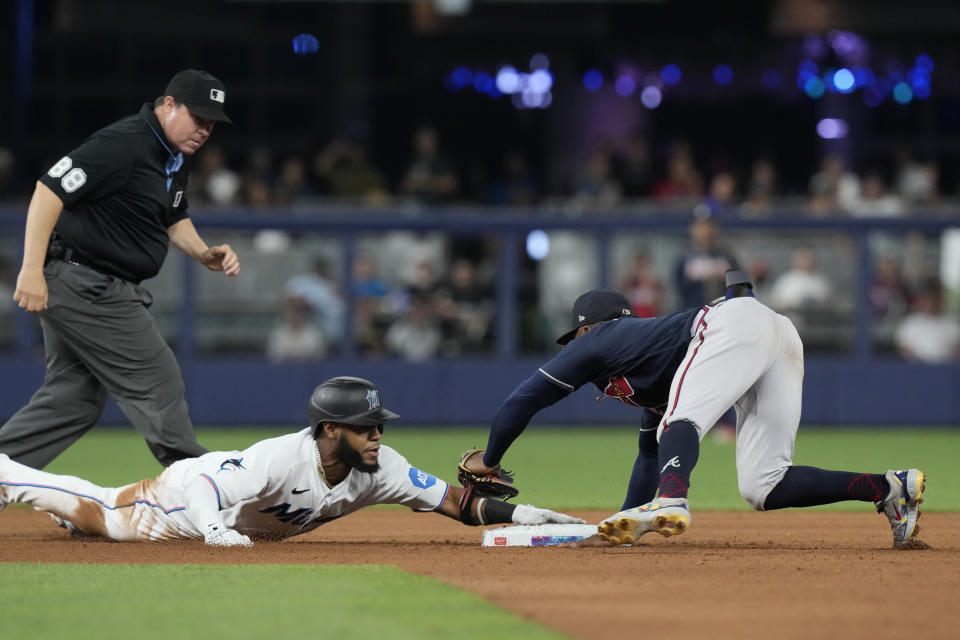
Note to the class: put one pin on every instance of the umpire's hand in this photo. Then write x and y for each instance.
(31, 292)
(221, 258)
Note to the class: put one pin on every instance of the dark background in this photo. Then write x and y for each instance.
(70, 67)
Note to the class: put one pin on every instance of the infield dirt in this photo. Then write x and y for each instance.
(733, 575)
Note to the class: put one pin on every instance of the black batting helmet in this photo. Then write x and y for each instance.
(347, 400)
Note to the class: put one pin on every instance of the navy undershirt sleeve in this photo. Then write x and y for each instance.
(534, 394)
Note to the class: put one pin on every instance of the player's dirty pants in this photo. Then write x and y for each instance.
(99, 340)
(138, 511)
(746, 355)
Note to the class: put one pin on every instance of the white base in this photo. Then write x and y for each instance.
(543, 535)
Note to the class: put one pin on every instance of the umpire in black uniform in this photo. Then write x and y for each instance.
(100, 222)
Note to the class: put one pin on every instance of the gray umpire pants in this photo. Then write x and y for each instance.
(99, 340)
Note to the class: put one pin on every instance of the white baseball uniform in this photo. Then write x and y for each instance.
(271, 490)
(746, 355)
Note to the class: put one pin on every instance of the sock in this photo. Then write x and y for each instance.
(809, 486)
(679, 450)
(645, 476)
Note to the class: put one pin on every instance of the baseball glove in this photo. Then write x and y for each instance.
(497, 484)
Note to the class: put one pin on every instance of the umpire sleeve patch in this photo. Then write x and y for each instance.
(421, 479)
(73, 180)
(63, 165)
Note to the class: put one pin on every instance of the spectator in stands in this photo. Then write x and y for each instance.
(875, 200)
(430, 177)
(322, 294)
(516, 185)
(632, 168)
(214, 183)
(292, 186)
(917, 181)
(801, 287)
(346, 172)
(465, 307)
(295, 337)
(833, 188)
(722, 196)
(373, 307)
(927, 334)
(642, 287)
(596, 185)
(761, 190)
(699, 274)
(889, 294)
(682, 181)
(416, 335)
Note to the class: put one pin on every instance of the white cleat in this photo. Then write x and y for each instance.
(666, 516)
(902, 504)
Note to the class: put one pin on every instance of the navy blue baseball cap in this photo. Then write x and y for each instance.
(203, 94)
(596, 306)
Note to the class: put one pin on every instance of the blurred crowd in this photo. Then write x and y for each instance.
(445, 306)
(614, 173)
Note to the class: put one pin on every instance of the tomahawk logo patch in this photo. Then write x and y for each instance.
(421, 479)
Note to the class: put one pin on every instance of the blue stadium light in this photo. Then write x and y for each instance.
(814, 87)
(461, 77)
(539, 61)
(651, 97)
(844, 80)
(902, 93)
(832, 128)
(924, 62)
(541, 81)
(482, 82)
(593, 80)
(723, 74)
(806, 70)
(770, 79)
(508, 80)
(671, 74)
(922, 92)
(863, 77)
(305, 44)
(538, 244)
(625, 86)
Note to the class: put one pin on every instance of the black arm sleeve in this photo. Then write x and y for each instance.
(534, 394)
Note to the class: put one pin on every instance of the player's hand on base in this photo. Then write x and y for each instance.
(529, 514)
(218, 535)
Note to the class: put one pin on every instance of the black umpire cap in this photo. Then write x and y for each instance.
(596, 306)
(203, 94)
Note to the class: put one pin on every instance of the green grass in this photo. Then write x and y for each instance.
(236, 602)
(577, 468)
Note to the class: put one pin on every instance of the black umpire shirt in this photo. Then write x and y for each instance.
(121, 190)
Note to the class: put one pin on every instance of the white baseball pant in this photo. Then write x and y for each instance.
(745, 355)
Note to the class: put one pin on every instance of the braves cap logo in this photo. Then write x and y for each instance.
(373, 398)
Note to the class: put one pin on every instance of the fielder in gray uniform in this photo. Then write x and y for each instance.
(275, 489)
(100, 222)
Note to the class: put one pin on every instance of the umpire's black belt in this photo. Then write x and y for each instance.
(58, 250)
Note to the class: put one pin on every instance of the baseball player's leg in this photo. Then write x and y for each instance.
(66, 406)
(645, 475)
(736, 344)
(765, 443)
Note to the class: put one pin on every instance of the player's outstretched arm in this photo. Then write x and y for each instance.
(461, 504)
(203, 511)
